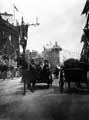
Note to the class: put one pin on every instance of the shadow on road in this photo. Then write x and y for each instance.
(40, 87)
(54, 90)
(75, 90)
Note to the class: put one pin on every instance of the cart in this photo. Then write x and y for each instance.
(72, 72)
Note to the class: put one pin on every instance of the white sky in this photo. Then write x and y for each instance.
(60, 20)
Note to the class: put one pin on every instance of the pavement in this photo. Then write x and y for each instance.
(43, 103)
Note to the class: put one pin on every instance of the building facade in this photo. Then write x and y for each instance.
(53, 55)
(9, 38)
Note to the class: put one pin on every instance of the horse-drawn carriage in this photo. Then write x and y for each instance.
(73, 71)
(32, 74)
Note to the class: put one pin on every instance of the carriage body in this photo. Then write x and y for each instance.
(33, 73)
(72, 72)
(75, 74)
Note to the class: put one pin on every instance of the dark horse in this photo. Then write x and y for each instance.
(29, 73)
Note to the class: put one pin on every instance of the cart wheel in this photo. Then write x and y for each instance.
(24, 85)
(61, 82)
(51, 80)
(33, 84)
(88, 85)
(51, 84)
(61, 87)
(88, 81)
(24, 88)
(48, 85)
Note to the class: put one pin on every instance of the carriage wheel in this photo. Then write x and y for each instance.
(50, 81)
(24, 88)
(61, 87)
(88, 85)
(88, 81)
(33, 86)
(48, 85)
(61, 82)
(51, 84)
(24, 83)
(69, 84)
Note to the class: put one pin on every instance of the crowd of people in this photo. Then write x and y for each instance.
(11, 72)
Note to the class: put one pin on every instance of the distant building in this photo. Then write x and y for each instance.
(36, 57)
(53, 54)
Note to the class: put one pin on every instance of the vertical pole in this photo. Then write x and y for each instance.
(14, 13)
(24, 79)
(23, 53)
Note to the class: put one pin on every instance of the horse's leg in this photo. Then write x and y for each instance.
(68, 84)
(78, 84)
(24, 82)
(32, 85)
(28, 84)
(3, 75)
(51, 80)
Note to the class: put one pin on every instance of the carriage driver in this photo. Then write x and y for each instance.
(46, 65)
(46, 68)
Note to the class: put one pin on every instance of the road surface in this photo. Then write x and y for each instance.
(43, 103)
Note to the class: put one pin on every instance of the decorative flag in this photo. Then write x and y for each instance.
(16, 8)
(6, 14)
